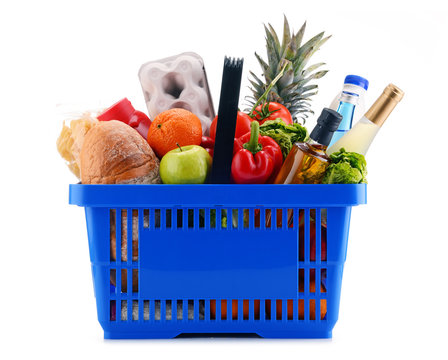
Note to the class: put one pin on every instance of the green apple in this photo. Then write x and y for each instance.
(185, 165)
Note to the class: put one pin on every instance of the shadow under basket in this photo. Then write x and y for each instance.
(217, 259)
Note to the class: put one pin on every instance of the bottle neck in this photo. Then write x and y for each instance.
(316, 144)
(383, 106)
(354, 89)
(349, 98)
(320, 136)
(312, 142)
(327, 123)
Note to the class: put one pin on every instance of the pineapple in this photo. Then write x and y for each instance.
(293, 89)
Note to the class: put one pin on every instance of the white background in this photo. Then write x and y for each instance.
(80, 55)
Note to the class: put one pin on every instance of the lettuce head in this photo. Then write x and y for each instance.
(285, 135)
(346, 168)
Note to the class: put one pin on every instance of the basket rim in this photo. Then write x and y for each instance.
(216, 195)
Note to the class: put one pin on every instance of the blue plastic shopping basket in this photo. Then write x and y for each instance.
(217, 259)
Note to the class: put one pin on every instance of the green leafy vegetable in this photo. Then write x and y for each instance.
(346, 168)
(285, 135)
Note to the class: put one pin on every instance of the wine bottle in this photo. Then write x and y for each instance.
(361, 135)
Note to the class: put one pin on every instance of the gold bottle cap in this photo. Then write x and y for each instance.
(384, 105)
(394, 92)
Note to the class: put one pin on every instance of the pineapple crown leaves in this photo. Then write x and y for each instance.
(293, 89)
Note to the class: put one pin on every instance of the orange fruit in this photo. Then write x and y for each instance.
(172, 127)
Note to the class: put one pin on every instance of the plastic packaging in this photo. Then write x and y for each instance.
(350, 103)
(208, 263)
(125, 112)
(178, 82)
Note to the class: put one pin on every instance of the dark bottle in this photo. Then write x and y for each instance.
(307, 161)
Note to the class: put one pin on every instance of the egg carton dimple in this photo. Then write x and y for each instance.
(178, 82)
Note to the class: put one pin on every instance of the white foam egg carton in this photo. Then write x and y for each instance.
(178, 82)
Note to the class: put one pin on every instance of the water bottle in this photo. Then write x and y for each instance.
(359, 138)
(349, 103)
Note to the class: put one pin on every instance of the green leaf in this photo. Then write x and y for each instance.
(346, 168)
(275, 38)
(308, 50)
(285, 135)
(254, 84)
(295, 86)
(299, 36)
(289, 89)
(310, 43)
(256, 79)
(318, 75)
(272, 49)
(311, 68)
(286, 79)
(304, 89)
(263, 64)
(286, 33)
(290, 52)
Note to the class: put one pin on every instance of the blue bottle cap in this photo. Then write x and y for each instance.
(357, 80)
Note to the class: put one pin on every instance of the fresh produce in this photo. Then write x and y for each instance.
(285, 135)
(242, 125)
(172, 128)
(115, 153)
(208, 144)
(185, 165)
(346, 168)
(271, 111)
(257, 159)
(293, 90)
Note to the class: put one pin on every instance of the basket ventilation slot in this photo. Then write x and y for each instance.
(218, 218)
(218, 310)
(310, 224)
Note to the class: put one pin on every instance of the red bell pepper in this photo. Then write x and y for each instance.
(256, 159)
(208, 144)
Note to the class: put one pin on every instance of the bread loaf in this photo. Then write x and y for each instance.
(114, 153)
